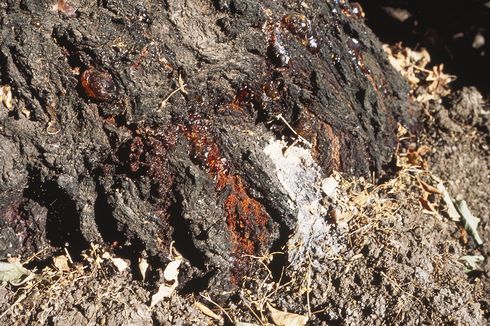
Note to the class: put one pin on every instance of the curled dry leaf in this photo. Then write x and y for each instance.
(170, 274)
(361, 199)
(439, 81)
(25, 112)
(411, 64)
(471, 262)
(172, 270)
(15, 273)
(471, 222)
(53, 128)
(463, 235)
(427, 187)
(143, 267)
(119, 263)
(423, 150)
(164, 291)
(283, 318)
(416, 155)
(428, 206)
(451, 210)
(6, 96)
(61, 263)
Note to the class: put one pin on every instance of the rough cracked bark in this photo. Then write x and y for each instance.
(95, 150)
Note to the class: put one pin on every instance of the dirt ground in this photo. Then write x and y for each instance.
(389, 256)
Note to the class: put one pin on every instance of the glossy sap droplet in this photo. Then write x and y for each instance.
(356, 10)
(271, 90)
(98, 84)
(300, 26)
(65, 8)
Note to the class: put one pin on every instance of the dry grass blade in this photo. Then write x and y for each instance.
(205, 310)
(181, 88)
(217, 305)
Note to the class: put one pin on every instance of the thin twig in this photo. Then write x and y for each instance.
(400, 288)
(21, 297)
(280, 117)
(180, 88)
(68, 255)
(34, 256)
(217, 305)
(308, 286)
(253, 313)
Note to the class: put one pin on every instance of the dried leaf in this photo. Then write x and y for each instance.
(120, 264)
(412, 65)
(61, 263)
(451, 210)
(53, 128)
(471, 262)
(361, 199)
(428, 206)
(408, 62)
(6, 96)
(205, 310)
(420, 58)
(170, 274)
(172, 270)
(14, 273)
(425, 97)
(470, 221)
(25, 112)
(164, 291)
(143, 267)
(282, 318)
(423, 150)
(439, 81)
(463, 235)
(427, 187)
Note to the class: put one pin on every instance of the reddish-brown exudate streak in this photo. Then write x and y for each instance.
(246, 218)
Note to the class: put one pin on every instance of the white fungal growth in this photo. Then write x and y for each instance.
(301, 178)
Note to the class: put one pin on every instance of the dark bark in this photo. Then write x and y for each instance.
(90, 155)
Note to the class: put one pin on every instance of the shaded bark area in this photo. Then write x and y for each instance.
(91, 154)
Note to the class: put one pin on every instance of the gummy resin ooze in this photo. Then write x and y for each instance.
(98, 84)
(300, 26)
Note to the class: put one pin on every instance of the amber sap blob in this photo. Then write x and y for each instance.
(98, 84)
